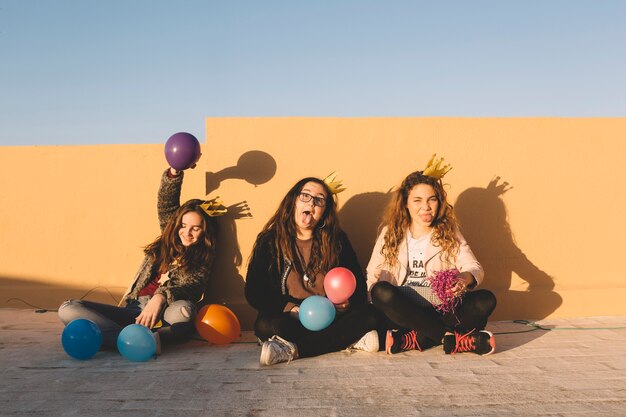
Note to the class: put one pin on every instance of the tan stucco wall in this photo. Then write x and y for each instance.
(75, 218)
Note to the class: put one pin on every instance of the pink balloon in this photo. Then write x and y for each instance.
(339, 285)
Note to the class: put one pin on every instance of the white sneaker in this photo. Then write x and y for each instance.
(276, 350)
(368, 343)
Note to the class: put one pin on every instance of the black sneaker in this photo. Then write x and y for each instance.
(480, 342)
(397, 341)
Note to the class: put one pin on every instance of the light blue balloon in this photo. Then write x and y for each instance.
(81, 339)
(316, 313)
(136, 343)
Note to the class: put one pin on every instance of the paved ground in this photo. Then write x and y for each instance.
(538, 373)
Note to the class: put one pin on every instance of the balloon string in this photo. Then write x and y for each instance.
(39, 309)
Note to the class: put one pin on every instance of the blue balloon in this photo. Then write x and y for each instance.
(81, 339)
(136, 343)
(316, 312)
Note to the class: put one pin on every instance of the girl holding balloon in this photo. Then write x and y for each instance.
(174, 271)
(291, 257)
(422, 272)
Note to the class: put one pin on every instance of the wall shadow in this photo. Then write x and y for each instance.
(359, 218)
(483, 218)
(35, 294)
(254, 167)
(226, 285)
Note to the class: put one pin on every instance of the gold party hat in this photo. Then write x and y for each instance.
(335, 186)
(434, 169)
(214, 207)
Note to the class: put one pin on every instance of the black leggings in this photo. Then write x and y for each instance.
(431, 325)
(346, 329)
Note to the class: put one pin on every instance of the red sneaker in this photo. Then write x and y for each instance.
(480, 342)
(397, 341)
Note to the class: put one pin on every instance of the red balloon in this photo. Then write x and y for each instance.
(217, 324)
(339, 284)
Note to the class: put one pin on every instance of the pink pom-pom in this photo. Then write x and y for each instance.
(441, 284)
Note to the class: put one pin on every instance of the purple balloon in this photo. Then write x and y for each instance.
(182, 150)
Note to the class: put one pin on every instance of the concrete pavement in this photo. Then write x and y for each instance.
(538, 373)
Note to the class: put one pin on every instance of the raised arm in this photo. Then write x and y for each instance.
(168, 200)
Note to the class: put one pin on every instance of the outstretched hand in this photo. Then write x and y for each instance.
(150, 314)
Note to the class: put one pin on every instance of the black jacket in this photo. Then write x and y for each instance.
(266, 288)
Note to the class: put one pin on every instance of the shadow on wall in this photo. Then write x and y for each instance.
(254, 167)
(226, 284)
(25, 293)
(359, 218)
(483, 218)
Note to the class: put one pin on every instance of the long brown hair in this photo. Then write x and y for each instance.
(397, 219)
(167, 248)
(325, 247)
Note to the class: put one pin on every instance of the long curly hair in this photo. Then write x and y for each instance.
(325, 247)
(397, 219)
(167, 248)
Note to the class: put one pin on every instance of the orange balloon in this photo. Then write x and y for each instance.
(217, 324)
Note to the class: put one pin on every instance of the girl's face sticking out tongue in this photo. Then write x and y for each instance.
(308, 213)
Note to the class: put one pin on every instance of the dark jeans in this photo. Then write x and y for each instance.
(431, 325)
(112, 319)
(346, 329)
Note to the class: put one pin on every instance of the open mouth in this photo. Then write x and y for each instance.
(306, 218)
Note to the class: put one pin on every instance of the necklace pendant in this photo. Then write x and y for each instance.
(308, 281)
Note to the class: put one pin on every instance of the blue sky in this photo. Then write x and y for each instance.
(136, 71)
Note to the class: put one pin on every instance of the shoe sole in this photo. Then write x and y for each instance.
(492, 342)
(263, 359)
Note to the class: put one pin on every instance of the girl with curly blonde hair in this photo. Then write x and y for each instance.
(419, 238)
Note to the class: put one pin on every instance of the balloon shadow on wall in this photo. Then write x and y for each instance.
(359, 218)
(226, 284)
(483, 218)
(254, 167)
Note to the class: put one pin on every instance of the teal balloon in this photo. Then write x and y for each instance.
(316, 313)
(136, 343)
(81, 339)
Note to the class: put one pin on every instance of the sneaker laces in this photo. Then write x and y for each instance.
(465, 342)
(409, 341)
